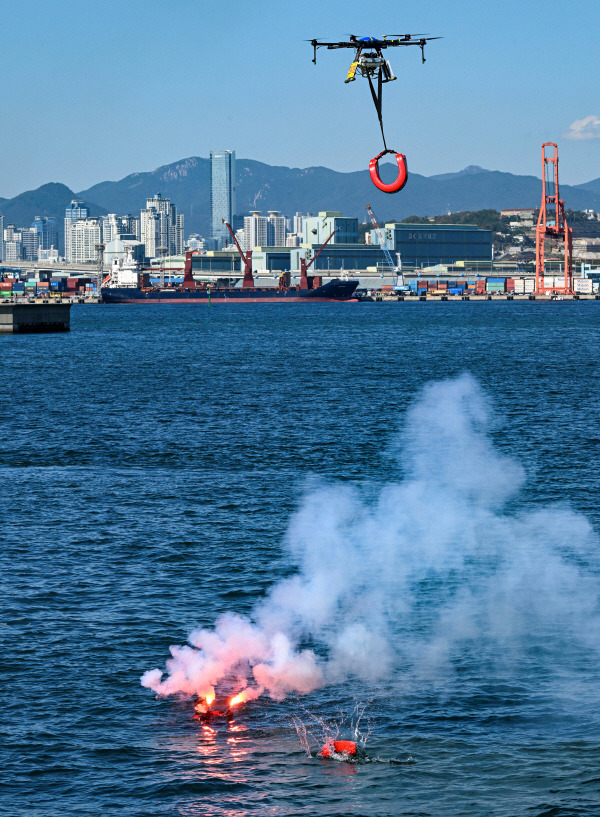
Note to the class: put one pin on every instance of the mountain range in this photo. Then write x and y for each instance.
(264, 187)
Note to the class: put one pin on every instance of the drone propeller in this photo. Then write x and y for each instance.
(408, 36)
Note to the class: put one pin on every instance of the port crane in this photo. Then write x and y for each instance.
(552, 225)
(395, 270)
(248, 281)
(305, 281)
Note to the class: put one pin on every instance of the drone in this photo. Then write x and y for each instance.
(369, 62)
(373, 61)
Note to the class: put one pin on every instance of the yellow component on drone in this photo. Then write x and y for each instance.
(351, 72)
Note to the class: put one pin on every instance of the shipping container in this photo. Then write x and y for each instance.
(583, 285)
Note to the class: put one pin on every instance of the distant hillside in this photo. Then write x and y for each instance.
(465, 172)
(265, 187)
(594, 186)
(48, 200)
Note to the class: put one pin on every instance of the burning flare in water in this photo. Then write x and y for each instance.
(248, 694)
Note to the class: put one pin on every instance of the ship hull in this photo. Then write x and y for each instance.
(341, 291)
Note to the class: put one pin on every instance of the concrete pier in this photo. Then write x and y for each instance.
(21, 318)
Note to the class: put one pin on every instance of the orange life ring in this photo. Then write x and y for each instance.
(402, 173)
(340, 747)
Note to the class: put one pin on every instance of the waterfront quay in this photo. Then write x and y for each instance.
(27, 318)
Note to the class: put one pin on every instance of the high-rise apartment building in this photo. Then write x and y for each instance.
(152, 230)
(222, 194)
(111, 227)
(264, 231)
(1, 237)
(161, 227)
(76, 211)
(84, 234)
(255, 230)
(30, 243)
(114, 226)
(276, 229)
(13, 249)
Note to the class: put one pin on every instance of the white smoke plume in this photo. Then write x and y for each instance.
(435, 561)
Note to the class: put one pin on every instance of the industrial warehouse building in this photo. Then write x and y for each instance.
(424, 245)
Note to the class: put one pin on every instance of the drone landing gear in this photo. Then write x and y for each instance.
(400, 181)
(350, 76)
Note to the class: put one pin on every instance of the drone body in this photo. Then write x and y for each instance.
(375, 45)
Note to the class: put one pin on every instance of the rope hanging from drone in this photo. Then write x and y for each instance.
(402, 177)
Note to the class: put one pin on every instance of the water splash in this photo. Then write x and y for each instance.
(316, 731)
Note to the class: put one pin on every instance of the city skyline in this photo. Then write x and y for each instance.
(486, 96)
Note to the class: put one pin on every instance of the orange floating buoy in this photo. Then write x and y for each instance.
(340, 747)
(344, 747)
(402, 173)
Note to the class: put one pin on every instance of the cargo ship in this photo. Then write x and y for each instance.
(127, 284)
(335, 290)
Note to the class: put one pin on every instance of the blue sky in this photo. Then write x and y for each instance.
(94, 91)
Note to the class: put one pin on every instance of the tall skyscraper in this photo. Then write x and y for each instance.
(1, 237)
(47, 231)
(222, 193)
(76, 211)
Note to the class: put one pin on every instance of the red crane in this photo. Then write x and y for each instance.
(552, 225)
(304, 267)
(248, 281)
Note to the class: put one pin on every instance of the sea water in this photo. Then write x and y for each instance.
(157, 463)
